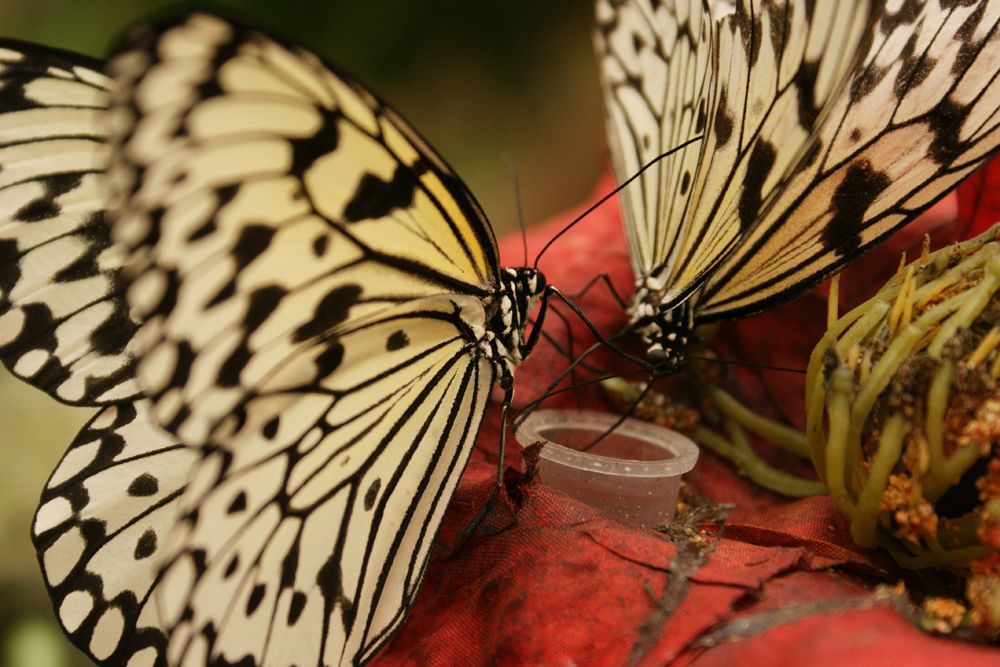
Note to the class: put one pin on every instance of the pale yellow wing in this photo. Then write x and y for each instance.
(778, 67)
(921, 114)
(64, 324)
(268, 200)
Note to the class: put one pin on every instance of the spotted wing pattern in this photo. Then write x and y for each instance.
(104, 515)
(266, 200)
(657, 78)
(303, 542)
(919, 115)
(316, 289)
(752, 80)
(63, 323)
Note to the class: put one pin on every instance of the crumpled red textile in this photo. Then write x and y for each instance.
(547, 580)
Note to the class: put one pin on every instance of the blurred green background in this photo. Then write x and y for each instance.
(477, 79)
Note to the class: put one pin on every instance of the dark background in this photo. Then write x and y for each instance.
(477, 79)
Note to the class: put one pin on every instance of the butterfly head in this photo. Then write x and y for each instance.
(519, 290)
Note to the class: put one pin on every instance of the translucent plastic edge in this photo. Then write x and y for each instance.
(683, 452)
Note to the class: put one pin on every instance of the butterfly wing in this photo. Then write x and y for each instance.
(305, 543)
(656, 76)
(63, 323)
(918, 117)
(103, 517)
(315, 286)
(778, 68)
(268, 200)
(753, 80)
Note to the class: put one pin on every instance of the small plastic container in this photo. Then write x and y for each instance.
(633, 473)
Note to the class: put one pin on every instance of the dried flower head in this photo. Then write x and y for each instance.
(903, 400)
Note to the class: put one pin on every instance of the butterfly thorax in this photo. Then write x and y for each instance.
(516, 295)
(665, 330)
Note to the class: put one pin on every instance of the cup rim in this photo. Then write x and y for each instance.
(681, 452)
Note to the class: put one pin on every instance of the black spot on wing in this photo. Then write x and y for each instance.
(39, 209)
(256, 597)
(78, 497)
(46, 207)
(329, 360)
(907, 14)
(968, 45)
(376, 198)
(263, 302)
(397, 341)
(232, 367)
(113, 334)
(295, 607)
(320, 245)
(234, 563)
(306, 151)
(805, 83)
(946, 121)
(10, 268)
(723, 121)
(866, 81)
(372, 493)
(329, 580)
(759, 165)
(143, 485)
(270, 429)
(332, 310)
(12, 97)
(238, 503)
(145, 546)
(253, 241)
(861, 185)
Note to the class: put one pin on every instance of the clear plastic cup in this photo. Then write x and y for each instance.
(633, 473)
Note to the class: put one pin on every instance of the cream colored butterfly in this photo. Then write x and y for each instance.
(314, 308)
(825, 124)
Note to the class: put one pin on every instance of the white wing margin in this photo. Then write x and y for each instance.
(64, 324)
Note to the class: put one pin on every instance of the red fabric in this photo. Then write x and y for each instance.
(547, 580)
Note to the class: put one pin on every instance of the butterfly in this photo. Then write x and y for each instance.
(822, 131)
(291, 313)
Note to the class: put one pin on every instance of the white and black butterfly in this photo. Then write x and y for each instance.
(822, 132)
(319, 316)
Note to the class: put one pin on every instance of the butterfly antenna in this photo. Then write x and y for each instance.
(611, 194)
(747, 364)
(512, 166)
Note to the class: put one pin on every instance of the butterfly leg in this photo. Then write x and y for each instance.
(470, 529)
(605, 279)
(599, 336)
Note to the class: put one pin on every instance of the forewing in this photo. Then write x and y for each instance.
(654, 60)
(920, 115)
(64, 325)
(104, 515)
(268, 201)
(778, 66)
(303, 542)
